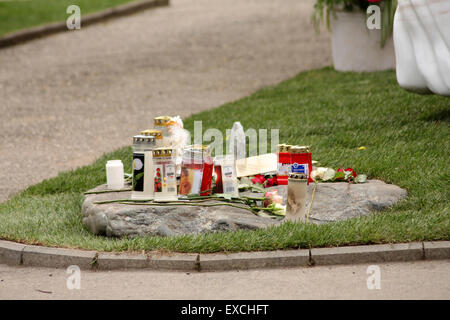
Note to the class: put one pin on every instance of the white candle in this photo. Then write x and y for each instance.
(114, 174)
(296, 197)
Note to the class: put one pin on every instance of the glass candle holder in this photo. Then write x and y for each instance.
(165, 181)
(296, 197)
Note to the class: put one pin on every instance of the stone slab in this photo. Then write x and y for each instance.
(118, 220)
(368, 254)
(335, 201)
(180, 262)
(57, 257)
(332, 202)
(17, 254)
(437, 250)
(254, 260)
(11, 252)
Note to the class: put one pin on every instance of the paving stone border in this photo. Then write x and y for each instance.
(41, 31)
(17, 254)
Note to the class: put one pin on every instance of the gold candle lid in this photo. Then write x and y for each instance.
(156, 153)
(142, 139)
(163, 152)
(161, 121)
(169, 152)
(152, 132)
(300, 149)
(284, 147)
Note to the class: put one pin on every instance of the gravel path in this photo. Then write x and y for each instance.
(68, 98)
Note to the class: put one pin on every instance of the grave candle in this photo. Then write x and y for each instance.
(114, 174)
(156, 133)
(192, 169)
(284, 163)
(296, 197)
(229, 179)
(161, 123)
(165, 181)
(207, 176)
(218, 174)
(142, 186)
(301, 161)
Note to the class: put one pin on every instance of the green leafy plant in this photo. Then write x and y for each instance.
(136, 179)
(323, 9)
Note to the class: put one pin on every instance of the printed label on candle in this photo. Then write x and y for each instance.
(170, 182)
(138, 171)
(229, 180)
(190, 181)
(300, 168)
(158, 177)
(227, 171)
(284, 169)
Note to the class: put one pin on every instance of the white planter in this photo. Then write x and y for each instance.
(356, 48)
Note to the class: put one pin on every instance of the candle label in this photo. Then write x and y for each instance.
(138, 171)
(158, 169)
(170, 177)
(229, 180)
(300, 168)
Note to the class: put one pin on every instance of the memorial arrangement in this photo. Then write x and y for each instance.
(169, 172)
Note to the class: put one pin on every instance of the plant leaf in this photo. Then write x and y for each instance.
(339, 175)
(224, 195)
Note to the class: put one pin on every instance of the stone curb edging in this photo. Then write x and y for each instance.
(16, 254)
(38, 32)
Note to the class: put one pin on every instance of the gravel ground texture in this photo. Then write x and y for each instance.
(68, 98)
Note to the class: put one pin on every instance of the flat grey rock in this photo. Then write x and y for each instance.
(332, 202)
(117, 220)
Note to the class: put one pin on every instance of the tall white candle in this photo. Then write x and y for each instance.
(296, 197)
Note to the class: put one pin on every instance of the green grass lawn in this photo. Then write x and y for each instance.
(21, 14)
(407, 143)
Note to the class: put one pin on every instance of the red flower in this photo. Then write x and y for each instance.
(353, 172)
(259, 178)
(374, 1)
(343, 171)
(271, 182)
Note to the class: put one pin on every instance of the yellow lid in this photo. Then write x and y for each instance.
(300, 149)
(282, 147)
(152, 132)
(163, 152)
(161, 121)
